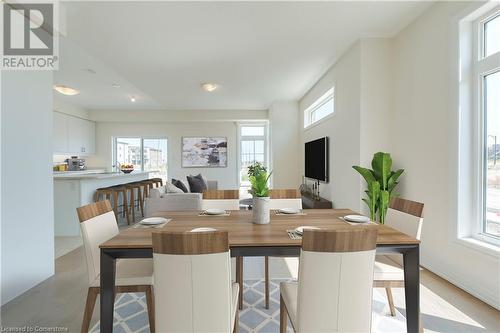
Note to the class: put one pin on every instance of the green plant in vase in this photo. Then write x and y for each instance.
(259, 177)
(381, 181)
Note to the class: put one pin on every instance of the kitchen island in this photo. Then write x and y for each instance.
(73, 189)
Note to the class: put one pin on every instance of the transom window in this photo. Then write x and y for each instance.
(320, 109)
(145, 154)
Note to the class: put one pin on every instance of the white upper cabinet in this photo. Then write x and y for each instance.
(60, 131)
(73, 135)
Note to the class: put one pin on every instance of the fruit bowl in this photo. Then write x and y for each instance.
(127, 168)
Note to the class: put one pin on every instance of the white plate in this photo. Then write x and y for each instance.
(215, 211)
(289, 210)
(357, 218)
(300, 230)
(203, 229)
(153, 221)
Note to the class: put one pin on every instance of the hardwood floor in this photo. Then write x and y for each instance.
(59, 301)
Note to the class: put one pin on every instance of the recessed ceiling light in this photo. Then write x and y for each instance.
(65, 90)
(132, 99)
(115, 85)
(209, 86)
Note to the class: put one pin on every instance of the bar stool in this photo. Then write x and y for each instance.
(147, 184)
(157, 181)
(115, 191)
(135, 202)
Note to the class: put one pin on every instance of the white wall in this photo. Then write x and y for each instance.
(173, 131)
(343, 128)
(425, 141)
(357, 129)
(26, 172)
(60, 105)
(376, 98)
(285, 144)
(177, 115)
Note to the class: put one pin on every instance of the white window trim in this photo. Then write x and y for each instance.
(473, 70)
(142, 138)
(320, 101)
(267, 162)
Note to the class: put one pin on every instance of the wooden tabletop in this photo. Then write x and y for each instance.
(243, 233)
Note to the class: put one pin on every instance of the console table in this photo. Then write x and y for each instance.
(308, 202)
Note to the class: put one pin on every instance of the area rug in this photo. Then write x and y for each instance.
(131, 312)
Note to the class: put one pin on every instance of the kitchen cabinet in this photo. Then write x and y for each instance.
(60, 133)
(73, 135)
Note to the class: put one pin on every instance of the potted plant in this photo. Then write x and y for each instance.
(259, 177)
(381, 181)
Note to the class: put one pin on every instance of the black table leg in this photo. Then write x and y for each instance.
(412, 289)
(108, 272)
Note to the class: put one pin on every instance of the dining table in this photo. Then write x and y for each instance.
(247, 239)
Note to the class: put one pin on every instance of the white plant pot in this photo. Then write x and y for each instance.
(260, 210)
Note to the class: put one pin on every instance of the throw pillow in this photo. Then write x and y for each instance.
(179, 184)
(171, 188)
(197, 184)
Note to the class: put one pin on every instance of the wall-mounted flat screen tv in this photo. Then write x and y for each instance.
(316, 159)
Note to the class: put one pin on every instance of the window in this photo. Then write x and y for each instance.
(491, 165)
(491, 33)
(253, 148)
(146, 154)
(487, 94)
(321, 108)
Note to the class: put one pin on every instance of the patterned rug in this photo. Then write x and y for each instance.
(131, 314)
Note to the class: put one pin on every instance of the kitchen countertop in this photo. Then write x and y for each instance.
(75, 175)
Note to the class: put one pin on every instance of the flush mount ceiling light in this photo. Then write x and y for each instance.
(209, 86)
(132, 99)
(65, 90)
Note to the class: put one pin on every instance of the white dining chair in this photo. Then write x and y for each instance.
(98, 224)
(405, 216)
(221, 199)
(334, 288)
(192, 281)
(280, 198)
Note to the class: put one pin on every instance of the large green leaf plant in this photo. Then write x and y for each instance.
(381, 181)
(259, 178)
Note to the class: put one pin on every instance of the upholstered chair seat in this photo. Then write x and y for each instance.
(131, 272)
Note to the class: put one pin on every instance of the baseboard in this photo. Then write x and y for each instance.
(479, 293)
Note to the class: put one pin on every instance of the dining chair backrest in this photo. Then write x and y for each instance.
(336, 279)
(98, 224)
(192, 281)
(405, 216)
(285, 198)
(221, 199)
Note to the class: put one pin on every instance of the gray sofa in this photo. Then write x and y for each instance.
(160, 200)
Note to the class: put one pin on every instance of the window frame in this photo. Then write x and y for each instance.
(242, 138)
(482, 66)
(141, 138)
(327, 96)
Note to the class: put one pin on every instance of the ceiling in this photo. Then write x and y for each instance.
(258, 52)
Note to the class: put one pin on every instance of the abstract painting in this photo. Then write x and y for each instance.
(204, 152)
